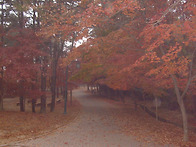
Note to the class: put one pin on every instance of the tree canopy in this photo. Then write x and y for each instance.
(129, 44)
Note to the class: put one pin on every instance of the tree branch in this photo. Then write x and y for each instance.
(165, 13)
(190, 78)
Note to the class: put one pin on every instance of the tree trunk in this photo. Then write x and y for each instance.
(2, 44)
(71, 97)
(108, 92)
(122, 96)
(144, 98)
(66, 90)
(22, 108)
(43, 104)
(2, 22)
(194, 103)
(135, 105)
(33, 105)
(1, 90)
(184, 119)
(156, 106)
(100, 90)
(57, 92)
(53, 88)
(156, 109)
(1, 103)
(97, 88)
(34, 15)
(116, 95)
(53, 78)
(21, 16)
(62, 91)
(43, 89)
(182, 108)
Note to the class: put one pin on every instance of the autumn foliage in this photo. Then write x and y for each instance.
(145, 45)
(150, 46)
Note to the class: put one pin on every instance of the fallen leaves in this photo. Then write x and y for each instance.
(16, 126)
(146, 129)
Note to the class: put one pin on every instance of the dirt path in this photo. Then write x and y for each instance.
(95, 127)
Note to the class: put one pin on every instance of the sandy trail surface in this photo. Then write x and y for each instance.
(94, 127)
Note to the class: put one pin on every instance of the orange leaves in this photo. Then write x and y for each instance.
(58, 19)
(126, 6)
(166, 43)
(132, 50)
(155, 36)
(189, 30)
(172, 53)
(150, 57)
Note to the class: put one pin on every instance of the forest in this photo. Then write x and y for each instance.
(146, 47)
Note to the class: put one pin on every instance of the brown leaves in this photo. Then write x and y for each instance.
(19, 125)
(146, 129)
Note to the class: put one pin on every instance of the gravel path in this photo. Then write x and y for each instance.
(93, 128)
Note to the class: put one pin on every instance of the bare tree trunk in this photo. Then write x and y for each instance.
(144, 98)
(156, 106)
(135, 105)
(53, 87)
(108, 92)
(156, 109)
(1, 103)
(185, 120)
(33, 105)
(62, 91)
(2, 90)
(53, 78)
(122, 96)
(71, 97)
(43, 88)
(2, 42)
(21, 16)
(2, 22)
(182, 108)
(97, 88)
(57, 92)
(22, 105)
(43, 104)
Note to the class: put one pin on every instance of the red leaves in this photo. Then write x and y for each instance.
(20, 59)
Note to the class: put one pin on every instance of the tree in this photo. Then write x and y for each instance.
(171, 48)
(144, 42)
(60, 26)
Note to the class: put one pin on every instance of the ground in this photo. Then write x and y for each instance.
(17, 126)
(104, 122)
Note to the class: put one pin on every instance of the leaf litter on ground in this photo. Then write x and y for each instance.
(145, 128)
(17, 126)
